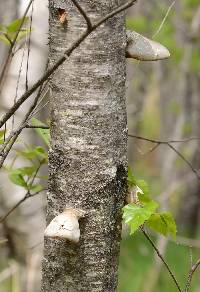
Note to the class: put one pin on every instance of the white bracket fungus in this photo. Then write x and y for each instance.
(143, 49)
(65, 225)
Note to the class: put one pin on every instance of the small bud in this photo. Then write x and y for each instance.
(62, 14)
(132, 195)
(141, 48)
(65, 225)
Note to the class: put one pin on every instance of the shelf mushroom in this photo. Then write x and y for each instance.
(143, 49)
(65, 225)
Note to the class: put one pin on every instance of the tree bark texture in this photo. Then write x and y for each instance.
(88, 154)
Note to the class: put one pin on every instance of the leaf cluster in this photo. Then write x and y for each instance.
(8, 32)
(35, 157)
(143, 211)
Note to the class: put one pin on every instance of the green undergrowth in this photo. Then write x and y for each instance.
(136, 269)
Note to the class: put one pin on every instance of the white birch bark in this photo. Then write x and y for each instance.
(87, 159)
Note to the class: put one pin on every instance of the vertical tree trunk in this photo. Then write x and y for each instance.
(88, 155)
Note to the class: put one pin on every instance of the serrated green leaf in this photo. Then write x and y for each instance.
(14, 26)
(144, 195)
(142, 184)
(163, 223)
(43, 133)
(135, 215)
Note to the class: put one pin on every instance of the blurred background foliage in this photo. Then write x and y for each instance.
(163, 103)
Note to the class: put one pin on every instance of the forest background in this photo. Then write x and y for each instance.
(163, 104)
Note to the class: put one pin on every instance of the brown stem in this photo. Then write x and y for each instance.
(168, 143)
(190, 275)
(162, 259)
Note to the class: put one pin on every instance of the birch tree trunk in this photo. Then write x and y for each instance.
(88, 154)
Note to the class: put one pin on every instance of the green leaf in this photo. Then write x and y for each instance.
(2, 28)
(31, 153)
(23, 34)
(135, 215)
(131, 178)
(163, 223)
(17, 178)
(36, 188)
(27, 170)
(14, 26)
(43, 133)
(17, 175)
(2, 136)
(4, 40)
(144, 196)
(41, 151)
(142, 184)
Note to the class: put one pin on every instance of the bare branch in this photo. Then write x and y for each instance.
(168, 143)
(37, 127)
(29, 46)
(27, 196)
(190, 275)
(82, 12)
(67, 53)
(10, 52)
(164, 19)
(162, 259)
(17, 85)
(186, 161)
(163, 141)
(7, 146)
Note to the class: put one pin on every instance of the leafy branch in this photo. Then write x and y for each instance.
(11, 34)
(61, 60)
(141, 211)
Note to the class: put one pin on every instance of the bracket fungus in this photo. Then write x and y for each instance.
(143, 49)
(65, 225)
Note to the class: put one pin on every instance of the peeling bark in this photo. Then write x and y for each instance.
(88, 154)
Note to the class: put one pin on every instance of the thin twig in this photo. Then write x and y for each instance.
(163, 141)
(27, 196)
(184, 159)
(190, 275)
(67, 53)
(29, 46)
(17, 86)
(83, 13)
(10, 52)
(168, 143)
(37, 127)
(162, 259)
(7, 146)
(164, 19)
